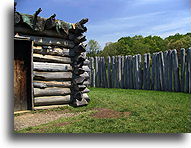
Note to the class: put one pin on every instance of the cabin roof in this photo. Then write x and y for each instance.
(38, 24)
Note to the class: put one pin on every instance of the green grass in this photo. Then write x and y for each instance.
(151, 112)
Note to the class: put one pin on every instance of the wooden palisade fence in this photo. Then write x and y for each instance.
(165, 71)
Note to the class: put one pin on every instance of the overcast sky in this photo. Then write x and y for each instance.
(110, 20)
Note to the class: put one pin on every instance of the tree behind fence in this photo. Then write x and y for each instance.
(165, 71)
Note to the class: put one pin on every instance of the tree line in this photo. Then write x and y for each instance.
(139, 45)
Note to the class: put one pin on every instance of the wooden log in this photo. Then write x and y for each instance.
(86, 62)
(96, 71)
(119, 72)
(140, 72)
(148, 71)
(51, 59)
(170, 71)
(122, 71)
(145, 72)
(86, 97)
(93, 72)
(52, 41)
(51, 50)
(80, 80)
(85, 75)
(40, 66)
(51, 91)
(176, 71)
(182, 65)
(86, 83)
(161, 69)
(44, 84)
(105, 81)
(130, 69)
(49, 41)
(79, 87)
(52, 100)
(166, 71)
(86, 90)
(188, 71)
(112, 72)
(52, 75)
(125, 73)
(109, 72)
(154, 72)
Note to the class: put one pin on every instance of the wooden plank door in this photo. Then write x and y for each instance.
(22, 75)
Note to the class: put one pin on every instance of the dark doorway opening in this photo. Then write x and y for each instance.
(22, 74)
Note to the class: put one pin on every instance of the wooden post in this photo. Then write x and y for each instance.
(166, 71)
(145, 72)
(109, 72)
(113, 73)
(125, 75)
(96, 72)
(122, 71)
(92, 72)
(182, 63)
(130, 69)
(148, 71)
(170, 71)
(176, 71)
(188, 71)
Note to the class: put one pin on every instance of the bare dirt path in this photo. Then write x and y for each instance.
(34, 119)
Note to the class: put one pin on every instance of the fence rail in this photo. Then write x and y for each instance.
(165, 71)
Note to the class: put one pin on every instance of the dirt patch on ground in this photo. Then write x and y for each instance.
(109, 113)
(34, 119)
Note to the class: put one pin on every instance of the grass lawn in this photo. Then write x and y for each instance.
(134, 111)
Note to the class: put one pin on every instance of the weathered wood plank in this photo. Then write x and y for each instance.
(145, 71)
(44, 84)
(176, 71)
(41, 66)
(182, 63)
(51, 59)
(52, 100)
(48, 41)
(96, 72)
(51, 91)
(52, 75)
(113, 72)
(109, 72)
(170, 71)
(188, 71)
(122, 71)
(51, 50)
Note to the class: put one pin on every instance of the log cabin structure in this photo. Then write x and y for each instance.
(50, 65)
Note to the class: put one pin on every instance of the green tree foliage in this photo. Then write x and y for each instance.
(150, 44)
(92, 48)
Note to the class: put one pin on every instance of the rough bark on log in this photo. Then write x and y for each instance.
(48, 41)
(52, 100)
(51, 59)
(52, 75)
(86, 90)
(51, 91)
(51, 50)
(40, 66)
(182, 63)
(44, 84)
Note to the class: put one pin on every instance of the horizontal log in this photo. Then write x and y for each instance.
(79, 80)
(86, 68)
(51, 59)
(49, 41)
(51, 91)
(39, 66)
(51, 50)
(81, 102)
(86, 90)
(44, 84)
(86, 83)
(79, 87)
(52, 75)
(86, 62)
(78, 71)
(52, 100)
(85, 96)
(85, 75)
